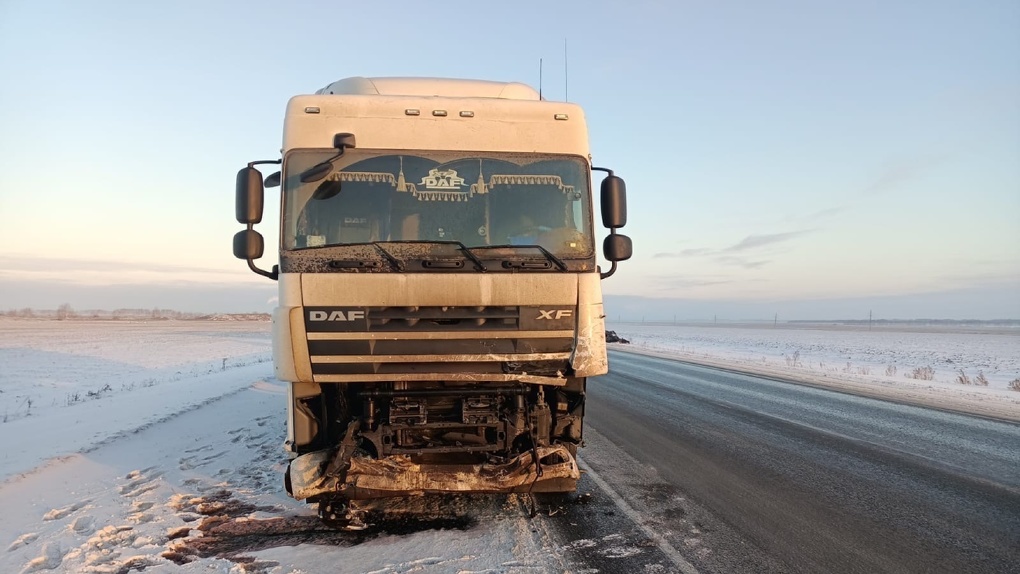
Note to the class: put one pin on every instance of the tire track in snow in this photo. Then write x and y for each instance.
(92, 431)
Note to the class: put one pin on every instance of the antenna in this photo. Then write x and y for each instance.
(540, 78)
(566, 84)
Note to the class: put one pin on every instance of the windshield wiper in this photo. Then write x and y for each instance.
(362, 264)
(389, 257)
(523, 264)
(465, 250)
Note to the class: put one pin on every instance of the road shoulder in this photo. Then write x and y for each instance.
(928, 396)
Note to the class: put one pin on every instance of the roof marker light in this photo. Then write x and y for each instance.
(561, 117)
(467, 114)
(412, 112)
(312, 110)
(439, 113)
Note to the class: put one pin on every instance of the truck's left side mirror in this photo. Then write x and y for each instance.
(248, 244)
(614, 202)
(249, 197)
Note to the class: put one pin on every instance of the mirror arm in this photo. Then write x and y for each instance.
(612, 270)
(274, 274)
(605, 169)
(264, 161)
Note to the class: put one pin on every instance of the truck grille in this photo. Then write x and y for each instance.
(435, 340)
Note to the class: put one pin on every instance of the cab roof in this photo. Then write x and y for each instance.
(422, 86)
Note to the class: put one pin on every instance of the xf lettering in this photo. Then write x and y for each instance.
(552, 314)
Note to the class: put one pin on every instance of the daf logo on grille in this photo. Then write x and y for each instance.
(335, 315)
(553, 314)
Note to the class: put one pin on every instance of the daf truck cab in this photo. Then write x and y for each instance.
(440, 304)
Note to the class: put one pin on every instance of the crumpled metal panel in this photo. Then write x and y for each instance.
(589, 358)
(399, 475)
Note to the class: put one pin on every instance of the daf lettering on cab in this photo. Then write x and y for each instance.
(335, 315)
(440, 305)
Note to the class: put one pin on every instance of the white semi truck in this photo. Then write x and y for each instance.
(440, 307)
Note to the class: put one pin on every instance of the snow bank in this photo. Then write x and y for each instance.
(69, 386)
(888, 362)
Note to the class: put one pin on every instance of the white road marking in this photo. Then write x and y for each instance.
(635, 516)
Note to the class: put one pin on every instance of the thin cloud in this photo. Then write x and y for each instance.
(696, 251)
(684, 253)
(740, 262)
(67, 265)
(748, 243)
(899, 172)
(21, 268)
(826, 213)
(980, 279)
(815, 217)
(761, 240)
(689, 282)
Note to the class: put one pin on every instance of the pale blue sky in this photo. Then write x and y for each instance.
(774, 155)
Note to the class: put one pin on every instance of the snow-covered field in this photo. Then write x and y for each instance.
(157, 446)
(970, 370)
(68, 385)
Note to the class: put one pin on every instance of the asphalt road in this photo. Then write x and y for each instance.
(778, 477)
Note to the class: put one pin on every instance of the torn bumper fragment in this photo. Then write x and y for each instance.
(400, 475)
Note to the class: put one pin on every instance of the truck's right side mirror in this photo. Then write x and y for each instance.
(614, 202)
(248, 199)
(617, 247)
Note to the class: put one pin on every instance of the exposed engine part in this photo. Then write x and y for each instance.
(479, 410)
(344, 515)
(408, 411)
(428, 438)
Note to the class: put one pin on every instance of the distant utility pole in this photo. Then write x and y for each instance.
(775, 322)
(674, 318)
(715, 319)
(869, 320)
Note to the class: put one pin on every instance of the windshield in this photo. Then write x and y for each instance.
(477, 199)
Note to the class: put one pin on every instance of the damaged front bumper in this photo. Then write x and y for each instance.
(400, 475)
